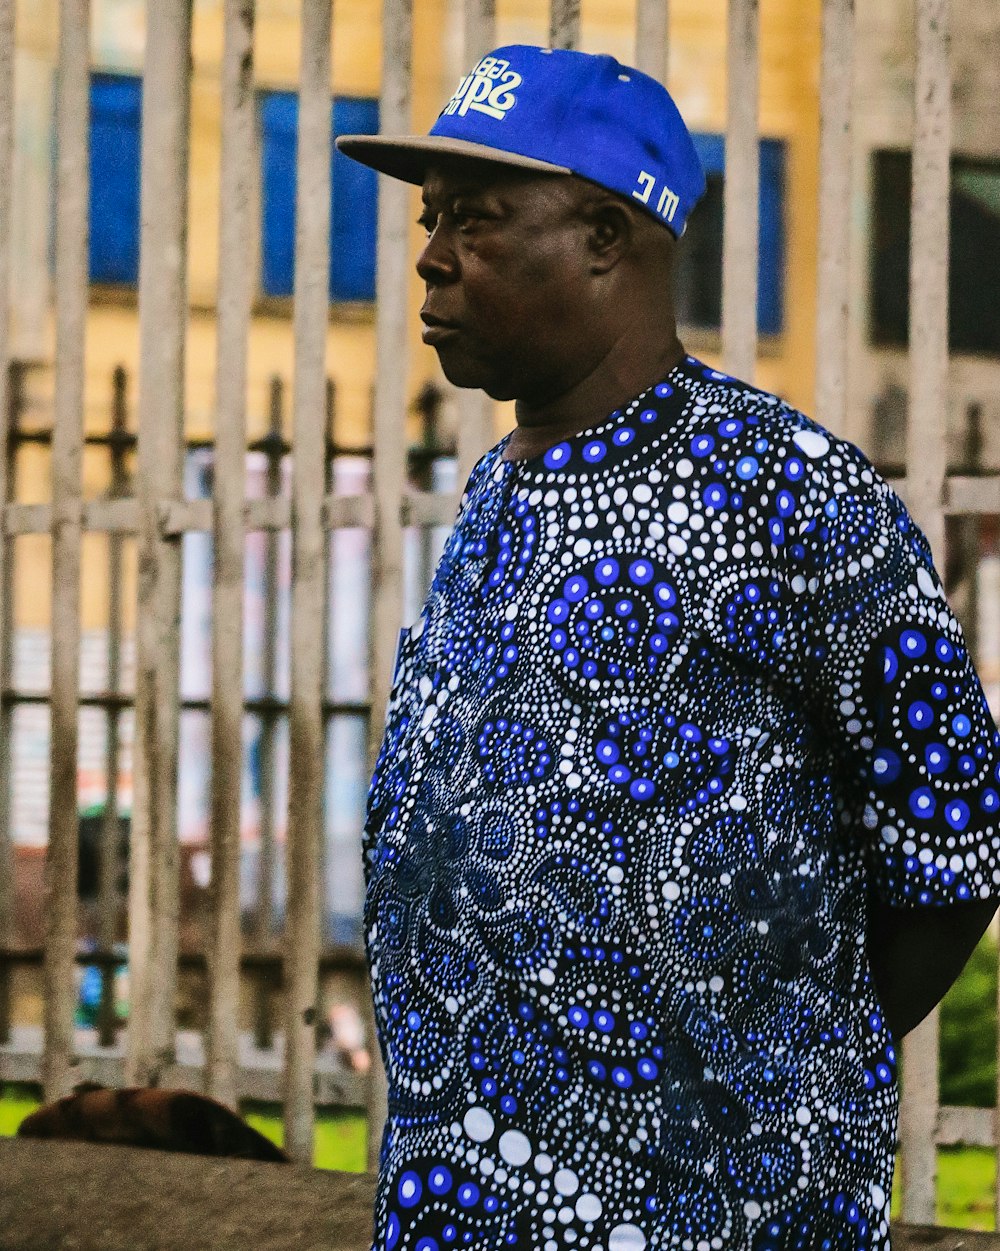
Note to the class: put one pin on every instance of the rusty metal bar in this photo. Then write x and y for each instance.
(926, 461)
(71, 275)
(652, 38)
(564, 23)
(236, 218)
(741, 212)
(833, 287)
(107, 891)
(153, 894)
(305, 811)
(264, 918)
(389, 415)
(7, 399)
(261, 706)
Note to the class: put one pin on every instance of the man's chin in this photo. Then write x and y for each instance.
(468, 375)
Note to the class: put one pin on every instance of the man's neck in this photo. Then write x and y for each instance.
(587, 404)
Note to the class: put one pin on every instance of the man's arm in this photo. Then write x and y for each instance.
(917, 953)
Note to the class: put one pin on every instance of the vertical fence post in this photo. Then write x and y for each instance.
(7, 8)
(926, 462)
(72, 184)
(833, 288)
(108, 888)
(652, 38)
(154, 858)
(229, 492)
(305, 810)
(564, 23)
(389, 436)
(475, 408)
(741, 213)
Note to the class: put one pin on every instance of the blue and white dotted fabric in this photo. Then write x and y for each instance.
(684, 690)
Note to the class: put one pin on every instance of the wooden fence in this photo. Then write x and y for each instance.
(156, 514)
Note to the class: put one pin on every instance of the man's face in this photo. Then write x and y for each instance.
(509, 289)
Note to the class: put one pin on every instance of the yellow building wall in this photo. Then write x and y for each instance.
(789, 111)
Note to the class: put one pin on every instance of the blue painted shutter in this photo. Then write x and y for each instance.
(115, 128)
(354, 210)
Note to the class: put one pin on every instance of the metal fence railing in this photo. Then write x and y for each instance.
(156, 514)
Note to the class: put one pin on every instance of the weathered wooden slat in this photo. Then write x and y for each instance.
(179, 517)
(652, 38)
(962, 495)
(429, 508)
(926, 451)
(305, 813)
(348, 512)
(267, 859)
(833, 288)
(7, 10)
(741, 191)
(479, 29)
(564, 23)
(259, 1074)
(972, 495)
(475, 409)
(389, 431)
(71, 275)
(926, 460)
(236, 222)
(153, 893)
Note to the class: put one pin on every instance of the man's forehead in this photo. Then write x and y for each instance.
(457, 175)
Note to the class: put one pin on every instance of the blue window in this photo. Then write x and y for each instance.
(115, 126)
(699, 260)
(354, 191)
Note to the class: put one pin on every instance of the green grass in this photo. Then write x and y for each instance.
(16, 1102)
(340, 1141)
(966, 1178)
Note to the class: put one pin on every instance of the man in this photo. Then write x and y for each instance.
(687, 804)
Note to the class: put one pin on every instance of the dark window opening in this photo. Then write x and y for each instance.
(698, 284)
(974, 240)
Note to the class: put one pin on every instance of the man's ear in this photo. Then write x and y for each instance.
(611, 232)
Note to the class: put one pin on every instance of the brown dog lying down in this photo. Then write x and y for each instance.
(167, 1120)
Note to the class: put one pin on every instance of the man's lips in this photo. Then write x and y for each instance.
(437, 329)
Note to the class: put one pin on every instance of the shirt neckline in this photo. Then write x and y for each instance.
(572, 452)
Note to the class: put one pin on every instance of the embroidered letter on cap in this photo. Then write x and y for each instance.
(667, 204)
(488, 89)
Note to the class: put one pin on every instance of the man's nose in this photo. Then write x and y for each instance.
(437, 262)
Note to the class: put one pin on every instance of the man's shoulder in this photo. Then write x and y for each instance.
(754, 433)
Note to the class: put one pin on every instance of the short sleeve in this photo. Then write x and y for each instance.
(901, 705)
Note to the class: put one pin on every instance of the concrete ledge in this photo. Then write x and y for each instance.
(85, 1197)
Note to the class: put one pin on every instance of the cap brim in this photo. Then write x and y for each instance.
(408, 157)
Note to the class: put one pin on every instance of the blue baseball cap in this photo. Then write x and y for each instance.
(558, 112)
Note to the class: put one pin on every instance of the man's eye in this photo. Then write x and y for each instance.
(465, 218)
(427, 224)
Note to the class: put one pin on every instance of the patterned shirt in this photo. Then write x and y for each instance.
(684, 691)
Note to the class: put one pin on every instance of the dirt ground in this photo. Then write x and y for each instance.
(58, 1196)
